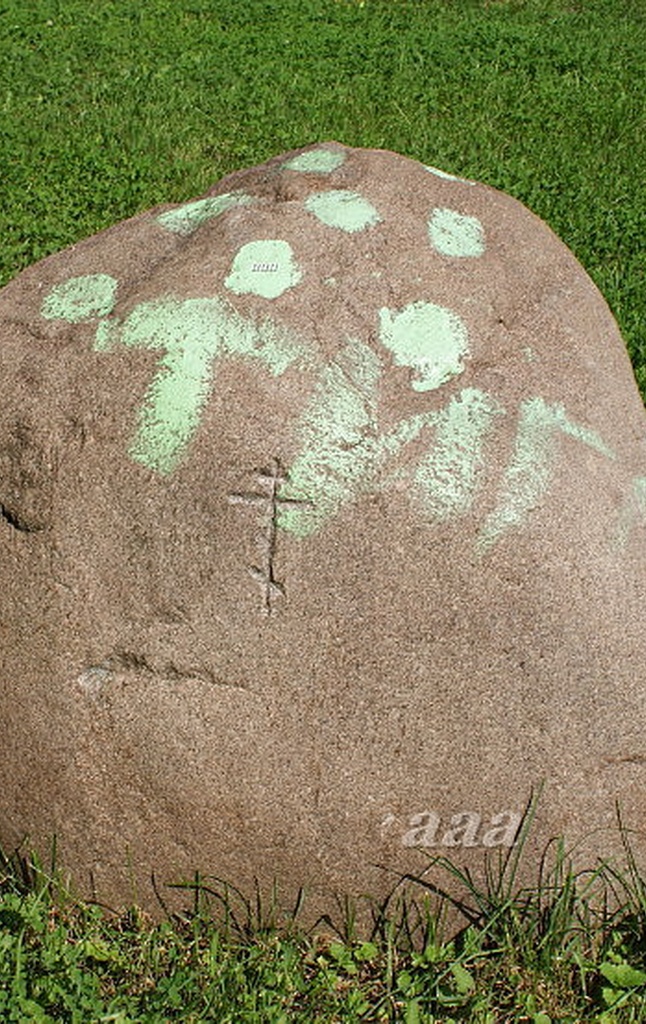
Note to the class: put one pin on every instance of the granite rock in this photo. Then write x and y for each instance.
(322, 537)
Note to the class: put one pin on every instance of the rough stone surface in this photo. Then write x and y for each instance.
(322, 536)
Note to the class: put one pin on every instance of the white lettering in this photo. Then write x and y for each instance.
(464, 830)
(425, 832)
(502, 835)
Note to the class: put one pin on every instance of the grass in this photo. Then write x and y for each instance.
(112, 107)
(570, 949)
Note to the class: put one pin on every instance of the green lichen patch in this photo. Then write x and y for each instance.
(342, 209)
(80, 299)
(266, 268)
(317, 161)
(430, 339)
(456, 234)
(187, 218)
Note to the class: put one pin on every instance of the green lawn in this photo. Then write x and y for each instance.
(570, 949)
(110, 107)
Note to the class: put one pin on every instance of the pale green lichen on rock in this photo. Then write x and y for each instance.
(80, 299)
(338, 432)
(344, 454)
(632, 512)
(456, 234)
(192, 333)
(639, 493)
(266, 268)
(447, 177)
(342, 209)
(317, 161)
(446, 477)
(430, 339)
(527, 477)
(187, 218)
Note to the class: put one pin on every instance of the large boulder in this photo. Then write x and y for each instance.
(322, 537)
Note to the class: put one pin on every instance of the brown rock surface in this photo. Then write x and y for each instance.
(322, 537)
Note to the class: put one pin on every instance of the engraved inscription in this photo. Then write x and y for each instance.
(267, 501)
